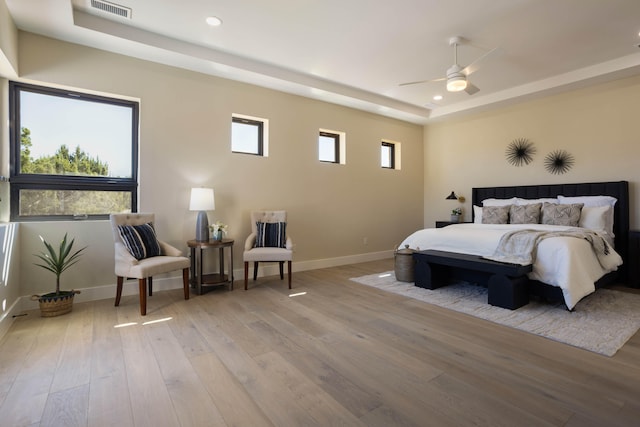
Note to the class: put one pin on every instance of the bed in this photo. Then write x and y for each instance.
(568, 281)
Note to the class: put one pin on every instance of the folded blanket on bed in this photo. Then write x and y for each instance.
(520, 246)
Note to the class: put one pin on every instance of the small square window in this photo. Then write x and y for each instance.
(248, 135)
(329, 147)
(388, 155)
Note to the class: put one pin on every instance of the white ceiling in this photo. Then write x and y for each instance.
(357, 52)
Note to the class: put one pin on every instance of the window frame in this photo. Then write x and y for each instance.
(19, 181)
(336, 149)
(260, 124)
(392, 155)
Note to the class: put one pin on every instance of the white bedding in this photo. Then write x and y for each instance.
(566, 262)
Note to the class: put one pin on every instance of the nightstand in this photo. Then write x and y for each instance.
(440, 224)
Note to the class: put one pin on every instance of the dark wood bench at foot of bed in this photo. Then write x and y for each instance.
(507, 283)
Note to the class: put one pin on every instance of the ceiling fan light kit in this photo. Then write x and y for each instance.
(456, 83)
(457, 76)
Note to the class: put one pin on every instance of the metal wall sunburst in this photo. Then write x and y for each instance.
(520, 152)
(558, 162)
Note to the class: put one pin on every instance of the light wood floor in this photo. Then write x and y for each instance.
(341, 354)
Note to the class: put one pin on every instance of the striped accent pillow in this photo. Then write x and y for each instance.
(140, 240)
(271, 234)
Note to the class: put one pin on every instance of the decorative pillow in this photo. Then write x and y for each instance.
(525, 214)
(558, 214)
(495, 214)
(271, 234)
(140, 240)
(594, 201)
(499, 202)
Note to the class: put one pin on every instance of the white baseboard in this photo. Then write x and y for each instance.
(271, 269)
(7, 318)
(175, 282)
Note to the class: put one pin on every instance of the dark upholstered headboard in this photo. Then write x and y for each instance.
(618, 189)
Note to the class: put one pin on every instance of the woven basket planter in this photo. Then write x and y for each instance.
(52, 305)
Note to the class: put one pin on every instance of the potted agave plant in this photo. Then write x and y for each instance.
(58, 302)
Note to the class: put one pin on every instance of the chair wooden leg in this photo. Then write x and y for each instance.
(185, 282)
(289, 272)
(281, 269)
(150, 283)
(142, 283)
(246, 274)
(255, 270)
(119, 281)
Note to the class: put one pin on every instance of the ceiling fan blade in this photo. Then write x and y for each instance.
(473, 67)
(422, 81)
(471, 88)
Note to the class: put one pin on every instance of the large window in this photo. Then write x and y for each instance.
(249, 135)
(73, 155)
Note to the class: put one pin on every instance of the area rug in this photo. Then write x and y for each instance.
(601, 322)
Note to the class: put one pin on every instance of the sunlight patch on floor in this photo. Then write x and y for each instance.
(148, 322)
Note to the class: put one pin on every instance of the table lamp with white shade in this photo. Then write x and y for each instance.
(202, 200)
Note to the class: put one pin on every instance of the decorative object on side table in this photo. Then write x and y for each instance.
(456, 214)
(218, 230)
(202, 200)
(58, 302)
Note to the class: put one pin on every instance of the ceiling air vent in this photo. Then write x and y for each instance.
(112, 8)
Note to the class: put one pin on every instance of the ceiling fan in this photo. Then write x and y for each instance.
(456, 75)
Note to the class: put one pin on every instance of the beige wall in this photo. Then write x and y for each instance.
(8, 43)
(597, 125)
(185, 141)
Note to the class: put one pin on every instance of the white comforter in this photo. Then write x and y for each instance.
(566, 262)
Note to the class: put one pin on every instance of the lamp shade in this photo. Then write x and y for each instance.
(202, 199)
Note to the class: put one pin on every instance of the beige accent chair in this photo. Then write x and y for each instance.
(266, 254)
(126, 265)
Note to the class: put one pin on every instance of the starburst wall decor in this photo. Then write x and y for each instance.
(520, 152)
(558, 162)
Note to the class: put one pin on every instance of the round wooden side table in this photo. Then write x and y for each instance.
(200, 280)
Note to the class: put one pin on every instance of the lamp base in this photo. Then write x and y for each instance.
(202, 227)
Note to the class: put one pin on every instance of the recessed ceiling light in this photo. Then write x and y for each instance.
(437, 98)
(214, 21)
